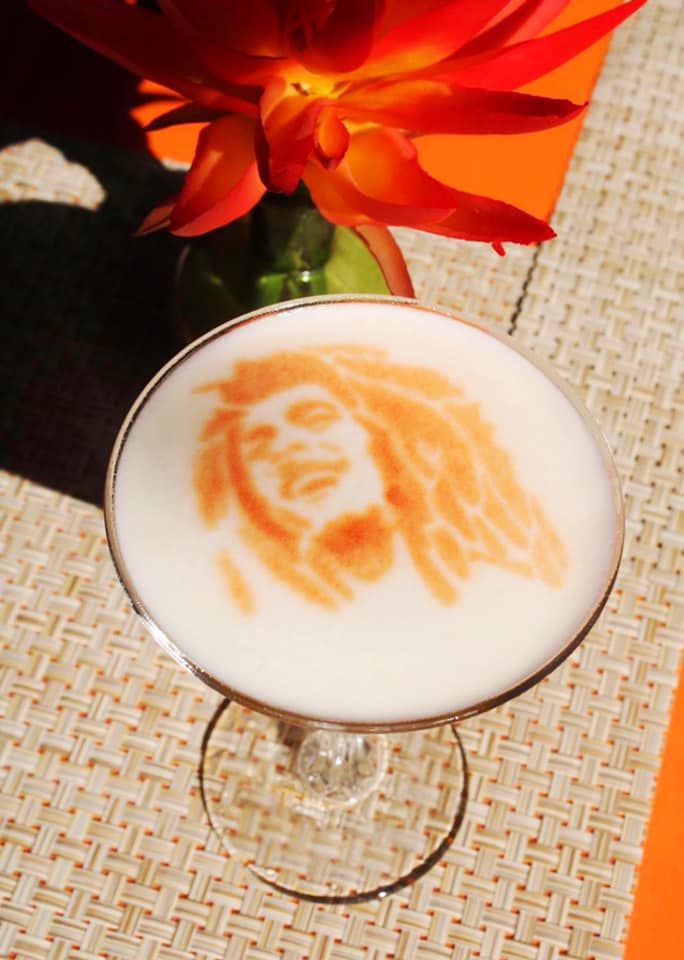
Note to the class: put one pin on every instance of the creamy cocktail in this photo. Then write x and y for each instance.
(363, 511)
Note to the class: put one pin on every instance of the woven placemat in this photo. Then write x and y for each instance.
(104, 850)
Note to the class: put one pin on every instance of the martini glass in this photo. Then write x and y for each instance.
(324, 805)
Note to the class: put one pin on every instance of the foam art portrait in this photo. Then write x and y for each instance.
(330, 456)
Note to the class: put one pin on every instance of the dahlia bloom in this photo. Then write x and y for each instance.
(332, 92)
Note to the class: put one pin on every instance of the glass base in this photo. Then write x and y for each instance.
(329, 816)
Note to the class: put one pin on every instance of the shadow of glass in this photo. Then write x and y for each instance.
(86, 316)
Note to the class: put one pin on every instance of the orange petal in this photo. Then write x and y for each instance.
(430, 37)
(141, 41)
(381, 181)
(285, 135)
(428, 106)
(340, 201)
(223, 182)
(330, 37)
(332, 138)
(384, 165)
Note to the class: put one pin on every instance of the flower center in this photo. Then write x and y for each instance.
(307, 84)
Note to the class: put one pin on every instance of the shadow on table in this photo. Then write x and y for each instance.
(85, 316)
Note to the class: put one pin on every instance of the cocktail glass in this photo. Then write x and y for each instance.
(336, 809)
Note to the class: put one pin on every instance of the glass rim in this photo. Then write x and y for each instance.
(307, 720)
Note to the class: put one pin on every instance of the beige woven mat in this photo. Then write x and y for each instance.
(104, 851)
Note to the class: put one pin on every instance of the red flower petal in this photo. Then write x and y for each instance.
(432, 36)
(212, 29)
(157, 219)
(143, 42)
(492, 221)
(389, 257)
(399, 11)
(524, 22)
(185, 113)
(285, 136)
(223, 182)
(330, 36)
(427, 106)
(524, 62)
(381, 181)
(252, 28)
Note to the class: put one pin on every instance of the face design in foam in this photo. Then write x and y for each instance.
(331, 456)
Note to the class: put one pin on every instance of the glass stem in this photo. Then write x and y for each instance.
(341, 768)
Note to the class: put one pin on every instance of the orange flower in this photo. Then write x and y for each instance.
(332, 92)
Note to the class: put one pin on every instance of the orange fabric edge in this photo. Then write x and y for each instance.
(655, 929)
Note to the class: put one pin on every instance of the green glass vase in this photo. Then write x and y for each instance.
(283, 249)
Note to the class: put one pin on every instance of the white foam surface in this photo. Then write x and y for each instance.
(392, 652)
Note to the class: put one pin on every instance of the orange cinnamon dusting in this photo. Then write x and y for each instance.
(210, 484)
(235, 582)
(329, 459)
(362, 544)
